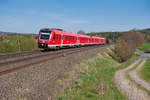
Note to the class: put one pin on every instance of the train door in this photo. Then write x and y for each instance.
(61, 39)
(77, 40)
(58, 39)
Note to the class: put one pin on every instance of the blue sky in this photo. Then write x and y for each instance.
(28, 16)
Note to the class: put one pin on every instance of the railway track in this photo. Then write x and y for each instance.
(5, 66)
(20, 54)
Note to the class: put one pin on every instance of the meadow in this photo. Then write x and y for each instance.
(11, 43)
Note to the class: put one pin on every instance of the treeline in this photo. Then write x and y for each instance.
(113, 36)
(146, 34)
(110, 36)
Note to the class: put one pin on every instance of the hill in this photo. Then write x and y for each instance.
(145, 31)
(146, 34)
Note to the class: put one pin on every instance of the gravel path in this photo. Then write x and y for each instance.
(129, 88)
(134, 75)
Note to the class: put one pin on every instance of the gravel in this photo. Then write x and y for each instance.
(37, 82)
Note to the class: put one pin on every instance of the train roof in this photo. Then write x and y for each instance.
(65, 33)
(50, 29)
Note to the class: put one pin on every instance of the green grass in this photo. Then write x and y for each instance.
(95, 81)
(145, 71)
(145, 47)
(9, 43)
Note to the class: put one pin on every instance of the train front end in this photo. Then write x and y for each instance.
(43, 38)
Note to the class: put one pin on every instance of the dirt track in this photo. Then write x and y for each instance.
(134, 75)
(128, 87)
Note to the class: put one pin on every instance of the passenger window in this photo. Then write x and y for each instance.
(57, 37)
(54, 37)
(65, 37)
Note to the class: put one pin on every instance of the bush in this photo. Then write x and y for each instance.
(127, 44)
(122, 51)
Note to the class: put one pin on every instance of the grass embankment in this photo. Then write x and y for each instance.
(145, 47)
(17, 43)
(94, 81)
(145, 71)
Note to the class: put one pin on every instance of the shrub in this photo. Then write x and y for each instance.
(127, 44)
(122, 51)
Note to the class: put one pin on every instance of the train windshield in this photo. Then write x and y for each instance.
(44, 35)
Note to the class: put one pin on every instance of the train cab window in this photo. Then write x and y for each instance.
(44, 35)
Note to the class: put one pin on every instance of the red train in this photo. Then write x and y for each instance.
(57, 38)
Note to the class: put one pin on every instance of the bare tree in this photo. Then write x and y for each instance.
(81, 32)
(126, 45)
(122, 51)
(133, 38)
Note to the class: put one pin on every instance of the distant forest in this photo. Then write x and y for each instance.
(112, 36)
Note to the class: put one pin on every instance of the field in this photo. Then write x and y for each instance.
(16, 43)
(145, 47)
(145, 71)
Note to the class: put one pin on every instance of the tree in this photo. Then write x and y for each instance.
(122, 51)
(81, 32)
(133, 38)
(127, 44)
